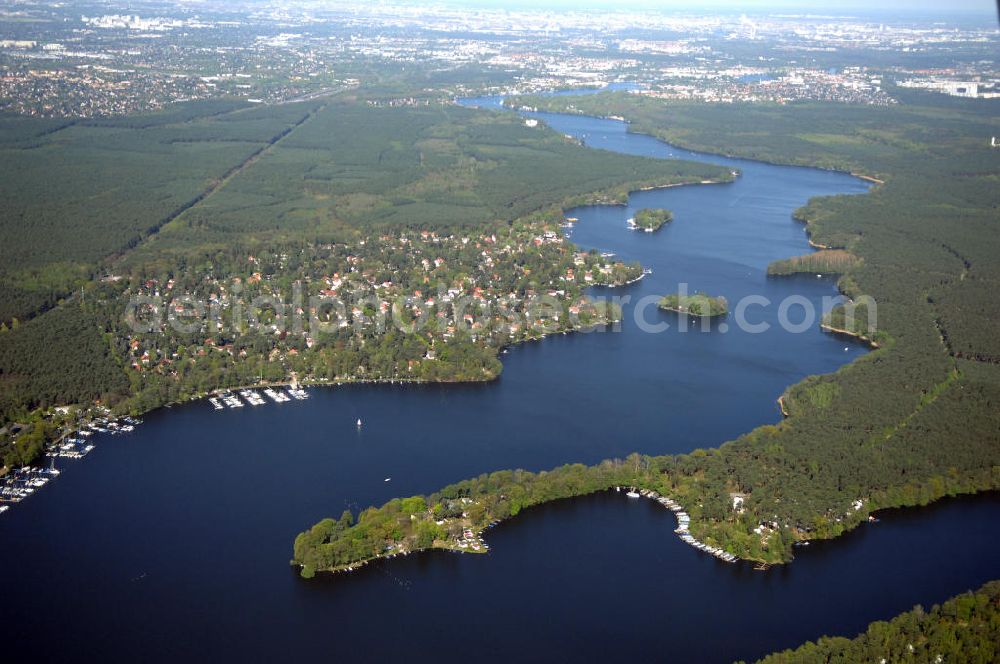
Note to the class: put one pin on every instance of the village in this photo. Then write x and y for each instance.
(493, 291)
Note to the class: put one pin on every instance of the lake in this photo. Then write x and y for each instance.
(173, 542)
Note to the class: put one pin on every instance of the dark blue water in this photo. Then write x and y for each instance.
(173, 542)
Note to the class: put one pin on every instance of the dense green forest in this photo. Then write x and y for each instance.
(825, 261)
(916, 420)
(79, 192)
(216, 199)
(59, 358)
(358, 166)
(965, 629)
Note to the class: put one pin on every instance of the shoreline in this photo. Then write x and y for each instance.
(868, 178)
(783, 407)
(685, 312)
(678, 511)
(813, 244)
(862, 517)
(342, 382)
(848, 333)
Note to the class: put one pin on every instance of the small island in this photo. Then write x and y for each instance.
(699, 304)
(650, 219)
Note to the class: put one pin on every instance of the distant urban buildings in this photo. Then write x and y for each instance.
(55, 62)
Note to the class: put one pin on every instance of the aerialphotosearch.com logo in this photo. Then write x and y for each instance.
(449, 310)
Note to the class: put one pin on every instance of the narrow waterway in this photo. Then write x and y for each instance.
(172, 542)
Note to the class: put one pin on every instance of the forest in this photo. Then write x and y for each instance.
(352, 165)
(80, 192)
(825, 261)
(965, 628)
(914, 421)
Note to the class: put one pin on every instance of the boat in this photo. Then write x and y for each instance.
(276, 396)
(632, 494)
(252, 397)
(359, 422)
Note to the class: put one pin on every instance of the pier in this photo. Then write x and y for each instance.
(230, 398)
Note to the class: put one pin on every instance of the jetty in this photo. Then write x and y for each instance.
(231, 400)
(22, 483)
(253, 397)
(298, 393)
(276, 396)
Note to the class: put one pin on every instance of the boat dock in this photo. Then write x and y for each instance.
(298, 393)
(277, 396)
(231, 400)
(683, 522)
(20, 483)
(252, 396)
(77, 445)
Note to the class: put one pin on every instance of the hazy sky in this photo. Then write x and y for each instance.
(799, 6)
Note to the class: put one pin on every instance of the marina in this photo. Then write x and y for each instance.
(252, 397)
(21, 483)
(231, 400)
(683, 522)
(277, 394)
(298, 393)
